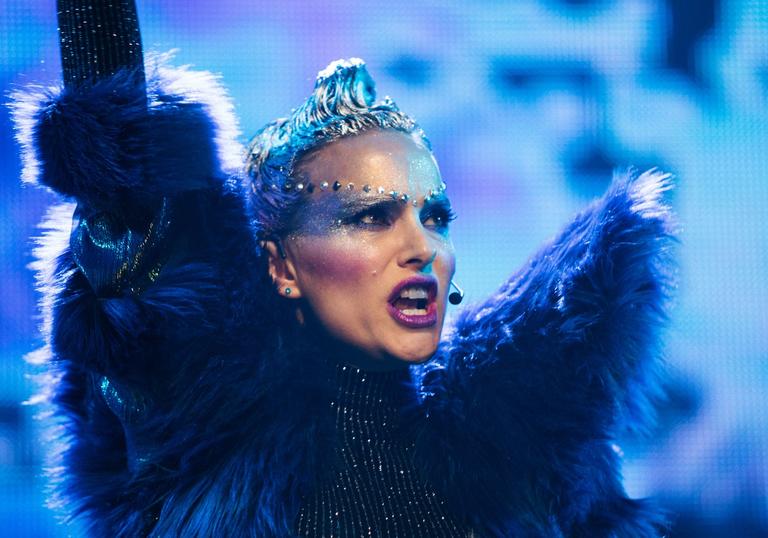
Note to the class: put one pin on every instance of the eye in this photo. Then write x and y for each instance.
(438, 217)
(371, 218)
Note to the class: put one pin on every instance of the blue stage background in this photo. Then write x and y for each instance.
(529, 105)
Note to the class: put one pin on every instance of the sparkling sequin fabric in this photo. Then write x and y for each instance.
(115, 258)
(375, 489)
(98, 38)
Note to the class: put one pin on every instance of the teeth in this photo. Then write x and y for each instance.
(414, 312)
(414, 293)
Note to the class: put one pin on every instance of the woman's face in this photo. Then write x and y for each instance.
(374, 269)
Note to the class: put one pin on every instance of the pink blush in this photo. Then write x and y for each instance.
(336, 262)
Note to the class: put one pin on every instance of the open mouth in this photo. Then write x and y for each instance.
(412, 302)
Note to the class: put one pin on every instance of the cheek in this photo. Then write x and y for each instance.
(335, 260)
(447, 257)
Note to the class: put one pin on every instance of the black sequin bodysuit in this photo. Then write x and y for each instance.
(374, 489)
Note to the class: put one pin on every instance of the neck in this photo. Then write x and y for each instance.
(342, 352)
(364, 387)
(379, 365)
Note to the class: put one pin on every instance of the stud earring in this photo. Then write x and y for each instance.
(288, 291)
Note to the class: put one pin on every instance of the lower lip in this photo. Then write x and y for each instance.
(414, 322)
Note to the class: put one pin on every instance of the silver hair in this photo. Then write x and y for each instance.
(342, 104)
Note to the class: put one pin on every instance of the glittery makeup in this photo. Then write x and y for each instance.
(352, 247)
(369, 211)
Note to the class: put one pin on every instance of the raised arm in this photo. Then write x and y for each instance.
(134, 289)
(541, 376)
(120, 146)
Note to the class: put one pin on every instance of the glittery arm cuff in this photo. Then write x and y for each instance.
(98, 38)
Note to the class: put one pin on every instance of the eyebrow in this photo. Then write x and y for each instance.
(440, 200)
(372, 199)
(369, 200)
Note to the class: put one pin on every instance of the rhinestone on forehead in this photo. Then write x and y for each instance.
(309, 188)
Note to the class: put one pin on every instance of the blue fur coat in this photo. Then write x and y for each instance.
(521, 403)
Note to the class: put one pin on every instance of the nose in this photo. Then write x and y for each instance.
(417, 248)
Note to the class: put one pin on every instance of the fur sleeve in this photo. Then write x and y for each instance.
(111, 149)
(537, 379)
(115, 141)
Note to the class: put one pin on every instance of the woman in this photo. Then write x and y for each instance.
(268, 360)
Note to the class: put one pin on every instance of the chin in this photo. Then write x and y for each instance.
(419, 360)
(415, 356)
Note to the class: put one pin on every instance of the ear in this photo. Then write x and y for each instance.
(282, 270)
